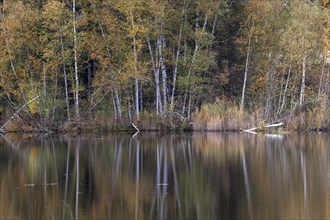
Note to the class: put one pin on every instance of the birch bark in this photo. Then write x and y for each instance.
(285, 89)
(155, 65)
(247, 63)
(302, 88)
(76, 92)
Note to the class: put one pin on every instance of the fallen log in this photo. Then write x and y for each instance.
(250, 130)
(137, 130)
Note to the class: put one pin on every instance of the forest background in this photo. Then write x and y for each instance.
(175, 64)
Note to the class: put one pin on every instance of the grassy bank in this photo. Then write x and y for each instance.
(220, 116)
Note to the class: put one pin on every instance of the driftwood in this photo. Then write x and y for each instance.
(2, 130)
(251, 130)
(137, 130)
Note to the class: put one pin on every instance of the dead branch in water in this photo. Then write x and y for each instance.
(251, 130)
(137, 130)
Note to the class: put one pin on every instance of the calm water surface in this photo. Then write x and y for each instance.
(160, 176)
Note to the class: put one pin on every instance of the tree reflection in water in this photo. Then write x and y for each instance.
(158, 176)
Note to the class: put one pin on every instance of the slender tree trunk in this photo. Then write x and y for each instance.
(189, 104)
(44, 82)
(14, 70)
(118, 105)
(158, 99)
(65, 80)
(112, 77)
(129, 108)
(114, 107)
(161, 43)
(135, 68)
(280, 96)
(89, 81)
(141, 97)
(177, 59)
(136, 81)
(191, 87)
(285, 89)
(185, 47)
(137, 111)
(184, 103)
(321, 81)
(76, 93)
(247, 63)
(54, 98)
(157, 64)
(302, 88)
(270, 90)
(156, 75)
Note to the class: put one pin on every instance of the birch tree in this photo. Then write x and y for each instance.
(76, 92)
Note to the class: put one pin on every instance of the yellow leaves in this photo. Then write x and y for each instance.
(325, 2)
(33, 105)
(53, 12)
(258, 9)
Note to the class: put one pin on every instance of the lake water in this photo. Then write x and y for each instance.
(165, 176)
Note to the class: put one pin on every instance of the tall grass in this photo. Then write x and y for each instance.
(225, 116)
(316, 118)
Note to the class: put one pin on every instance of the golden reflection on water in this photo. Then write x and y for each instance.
(158, 176)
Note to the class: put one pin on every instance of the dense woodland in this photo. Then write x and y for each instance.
(203, 64)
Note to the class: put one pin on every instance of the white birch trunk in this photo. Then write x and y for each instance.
(177, 60)
(302, 88)
(285, 89)
(65, 81)
(136, 81)
(157, 65)
(156, 75)
(247, 63)
(118, 105)
(164, 75)
(189, 104)
(76, 93)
